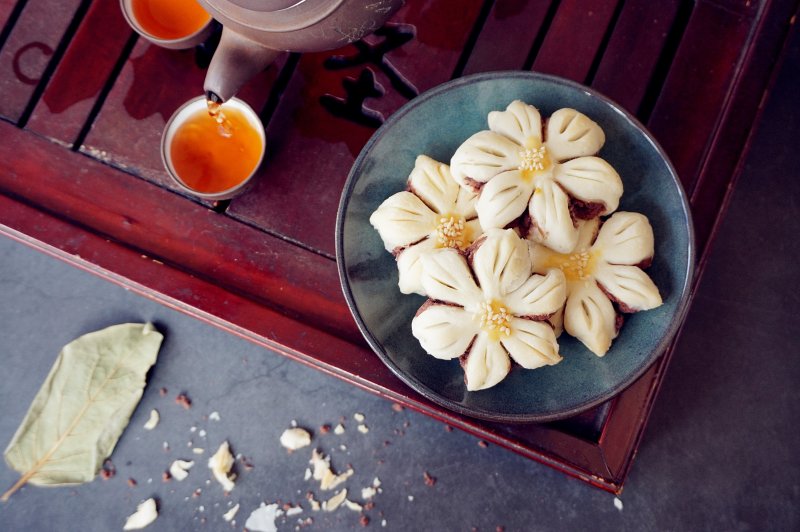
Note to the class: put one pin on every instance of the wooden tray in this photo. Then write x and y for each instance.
(85, 100)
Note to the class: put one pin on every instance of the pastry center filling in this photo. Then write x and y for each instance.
(534, 158)
(495, 319)
(451, 232)
(576, 266)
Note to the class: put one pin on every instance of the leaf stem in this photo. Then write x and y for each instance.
(17, 485)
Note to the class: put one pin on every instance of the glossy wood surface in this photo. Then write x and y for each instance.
(81, 176)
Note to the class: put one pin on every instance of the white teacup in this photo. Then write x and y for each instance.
(190, 110)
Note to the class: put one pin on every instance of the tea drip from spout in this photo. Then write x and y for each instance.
(214, 103)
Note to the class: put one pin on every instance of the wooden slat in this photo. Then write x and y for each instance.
(689, 107)
(713, 185)
(311, 150)
(6, 7)
(153, 83)
(633, 51)
(574, 38)
(174, 230)
(507, 36)
(82, 73)
(28, 50)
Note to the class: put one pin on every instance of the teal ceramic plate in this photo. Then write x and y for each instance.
(435, 124)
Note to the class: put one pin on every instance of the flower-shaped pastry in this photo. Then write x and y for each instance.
(488, 307)
(433, 213)
(604, 268)
(518, 164)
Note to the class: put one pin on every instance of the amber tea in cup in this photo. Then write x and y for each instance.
(169, 23)
(213, 154)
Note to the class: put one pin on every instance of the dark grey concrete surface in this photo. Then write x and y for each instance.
(720, 452)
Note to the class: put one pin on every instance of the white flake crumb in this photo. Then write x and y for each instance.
(220, 465)
(214, 416)
(201, 508)
(383, 523)
(165, 446)
(192, 429)
(314, 504)
(359, 417)
(153, 420)
(353, 505)
(334, 502)
(179, 469)
(293, 423)
(262, 519)
(198, 450)
(307, 474)
(363, 429)
(295, 438)
(368, 493)
(145, 514)
(343, 447)
(410, 498)
(338, 429)
(202, 433)
(322, 471)
(618, 503)
(230, 514)
(376, 482)
(294, 510)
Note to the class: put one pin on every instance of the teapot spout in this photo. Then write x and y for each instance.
(236, 60)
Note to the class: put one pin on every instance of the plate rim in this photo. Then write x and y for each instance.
(413, 382)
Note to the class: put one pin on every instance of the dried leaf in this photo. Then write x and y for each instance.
(83, 406)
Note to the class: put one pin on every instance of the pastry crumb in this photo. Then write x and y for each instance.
(221, 464)
(153, 420)
(295, 438)
(145, 514)
(179, 469)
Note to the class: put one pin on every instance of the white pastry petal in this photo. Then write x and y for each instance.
(572, 134)
(519, 122)
(486, 364)
(482, 156)
(590, 317)
(592, 180)
(557, 322)
(549, 210)
(629, 286)
(542, 258)
(444, 331)
(503, 199)
(465, 203)
(626, 238)
(539, 296)
(447, 278)
(587, 233)
(532, 344)
(409, 266)
(402, 220)
(432, 182)
(501, 263)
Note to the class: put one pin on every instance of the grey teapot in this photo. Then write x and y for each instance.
(255, 32)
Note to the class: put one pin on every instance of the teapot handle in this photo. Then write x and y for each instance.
(236, 60)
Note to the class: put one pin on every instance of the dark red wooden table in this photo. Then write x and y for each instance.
(83, 103)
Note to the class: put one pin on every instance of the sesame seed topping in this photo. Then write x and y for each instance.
(450, 232)
(533, 159)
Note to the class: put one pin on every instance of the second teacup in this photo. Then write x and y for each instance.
(174, 24)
